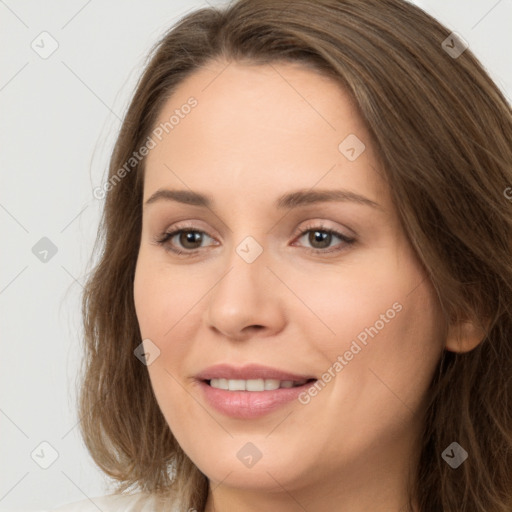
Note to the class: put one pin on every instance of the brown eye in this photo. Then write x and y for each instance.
(318, 240)
(182, 240)
(187, 239)
(322, 238)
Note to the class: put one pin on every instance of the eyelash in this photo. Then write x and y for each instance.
(164, 237)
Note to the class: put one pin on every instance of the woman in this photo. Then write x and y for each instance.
(303, 300)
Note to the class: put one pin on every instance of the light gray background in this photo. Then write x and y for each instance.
(59, 119)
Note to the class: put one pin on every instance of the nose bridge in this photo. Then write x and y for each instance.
(244, 295)
(249, 246)
(247, 273)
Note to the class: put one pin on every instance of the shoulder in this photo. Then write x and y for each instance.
(138, 502)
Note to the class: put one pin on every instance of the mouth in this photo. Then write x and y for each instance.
(255, 385)
(250, 391)
(250, 399)
(251, 374)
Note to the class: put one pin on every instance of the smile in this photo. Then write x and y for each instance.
(254, 384)
(238, 399)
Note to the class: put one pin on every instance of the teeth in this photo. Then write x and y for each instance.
(271, 384)
(254, 384)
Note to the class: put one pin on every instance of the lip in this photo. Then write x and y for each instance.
(250, 371)
(249, 404)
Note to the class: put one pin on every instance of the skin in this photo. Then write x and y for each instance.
(260, 131)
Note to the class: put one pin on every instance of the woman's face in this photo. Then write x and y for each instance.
(282, 156)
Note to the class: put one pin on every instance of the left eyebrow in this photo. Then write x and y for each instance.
(287, 201)
(308, 196)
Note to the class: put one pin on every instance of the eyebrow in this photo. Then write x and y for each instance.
(287, 201)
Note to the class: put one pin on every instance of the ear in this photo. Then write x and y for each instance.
(466, 335)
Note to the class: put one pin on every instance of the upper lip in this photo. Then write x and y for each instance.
(249, 371)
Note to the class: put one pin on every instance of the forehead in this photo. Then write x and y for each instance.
(254, 125)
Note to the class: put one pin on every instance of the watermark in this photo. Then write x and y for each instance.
(249, 249)
(149, 144)
(249, 455)
(147, 352)
(508, 193)
(44, 249)
(351, 147)
(44, 45)
(454, 455)
(44, 455)
(454, 45)
(342, 360)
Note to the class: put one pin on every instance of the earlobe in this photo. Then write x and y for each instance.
(465, 336)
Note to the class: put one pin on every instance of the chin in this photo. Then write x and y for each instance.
(267, 478)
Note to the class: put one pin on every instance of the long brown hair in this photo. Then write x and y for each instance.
(443, 131)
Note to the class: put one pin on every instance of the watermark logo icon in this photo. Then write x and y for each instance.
(249, 249)
(44, 45)
(147, 352)
(44, 455)
(454, 45)
(454, 455)
(249, 455)
(351, 147)
(44, 250)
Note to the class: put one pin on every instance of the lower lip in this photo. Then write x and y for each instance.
(250, 404)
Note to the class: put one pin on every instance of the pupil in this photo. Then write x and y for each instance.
(190, 237)
(319, 236)
(314, 237)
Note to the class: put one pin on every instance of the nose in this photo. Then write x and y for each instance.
(247, 300)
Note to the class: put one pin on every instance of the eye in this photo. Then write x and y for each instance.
(187, 237)
(321, 237)
(190, 239)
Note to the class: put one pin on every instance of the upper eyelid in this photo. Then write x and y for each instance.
(320, 225)
(186, 227)
(299, 232)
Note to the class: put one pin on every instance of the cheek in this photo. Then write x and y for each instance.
(358, 301)
(390, 339)
(168, 312)
(385, 323)
(165, 298)
(163, 305)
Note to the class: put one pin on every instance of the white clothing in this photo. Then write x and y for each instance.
(137, 502)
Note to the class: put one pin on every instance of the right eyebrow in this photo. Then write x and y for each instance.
(181, 196)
